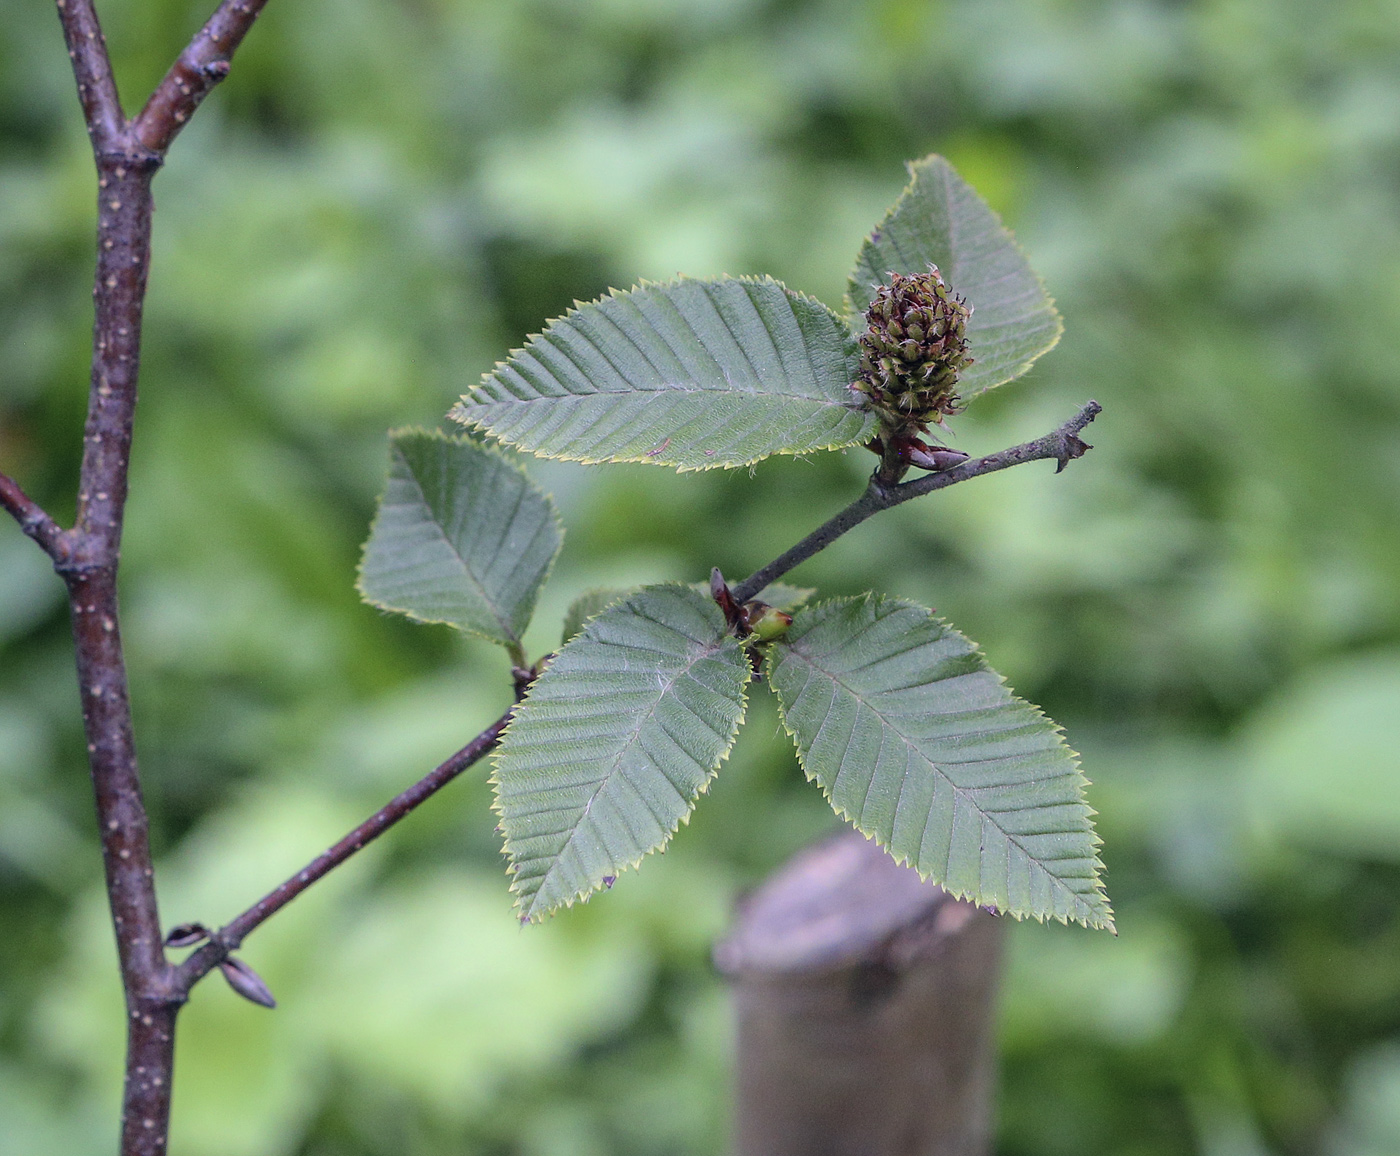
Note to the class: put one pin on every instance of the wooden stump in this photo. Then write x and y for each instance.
(865, 1010)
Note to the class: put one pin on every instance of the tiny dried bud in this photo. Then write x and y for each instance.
(912, 351)
(934, 457)
(764, 622)
(186, 935)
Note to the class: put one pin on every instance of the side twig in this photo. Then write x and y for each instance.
(97, 90)
(1063, 445)
(229, 937)
(32, 519)
(204, 62)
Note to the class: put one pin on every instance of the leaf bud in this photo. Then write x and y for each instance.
(719, 591)
(933, 457)
(187, 935)
(766, 622)
(246, 982)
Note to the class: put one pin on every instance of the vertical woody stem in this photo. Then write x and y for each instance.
(127, 155)
(90, 570)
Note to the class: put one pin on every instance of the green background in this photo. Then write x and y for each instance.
(384, 198)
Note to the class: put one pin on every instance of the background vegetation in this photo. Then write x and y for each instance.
(386, 196)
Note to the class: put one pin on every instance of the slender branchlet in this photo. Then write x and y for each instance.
(229, 937)
(92, 68)
(1063, 445)
(203, 63)
(32, 519)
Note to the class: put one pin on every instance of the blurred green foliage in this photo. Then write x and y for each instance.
(380, 201)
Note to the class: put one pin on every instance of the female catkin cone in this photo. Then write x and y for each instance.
(912, 351)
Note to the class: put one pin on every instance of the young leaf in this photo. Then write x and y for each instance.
(462, 536)
(588, 605)
(687, 373)
(616, 740)
(915, 740)
(940, 220)
(776, 594)
(785, 597)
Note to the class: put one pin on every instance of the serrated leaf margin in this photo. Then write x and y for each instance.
(496, 451)
(1082, 781)
(532, 916)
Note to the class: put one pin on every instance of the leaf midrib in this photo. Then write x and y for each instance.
(436, 522)
(666, 389)
(709, 650)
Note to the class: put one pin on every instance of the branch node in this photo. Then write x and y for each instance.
(1072, 447)
(1071, 444)
(130, 154)
(35, 522)
(877, 489)
(70, 565)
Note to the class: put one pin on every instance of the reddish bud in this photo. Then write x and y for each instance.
(719, 591)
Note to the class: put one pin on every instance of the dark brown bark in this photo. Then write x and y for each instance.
(31, 518)
(87, 556)
(97, 91)
(124, 208)
(865, 1006)
(127, 155)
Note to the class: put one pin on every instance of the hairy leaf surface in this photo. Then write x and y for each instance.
(687, 373)
(462, 536)
(939, 219)
(915, 740)
(616, 740)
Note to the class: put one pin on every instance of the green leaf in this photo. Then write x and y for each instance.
(783, 596)
(687, 373)
(915, 740)
(462, 536)
(778, 594)
(588, 605)
(940, 220)
(615, 741)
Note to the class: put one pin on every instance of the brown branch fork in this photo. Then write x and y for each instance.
(128, 153)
